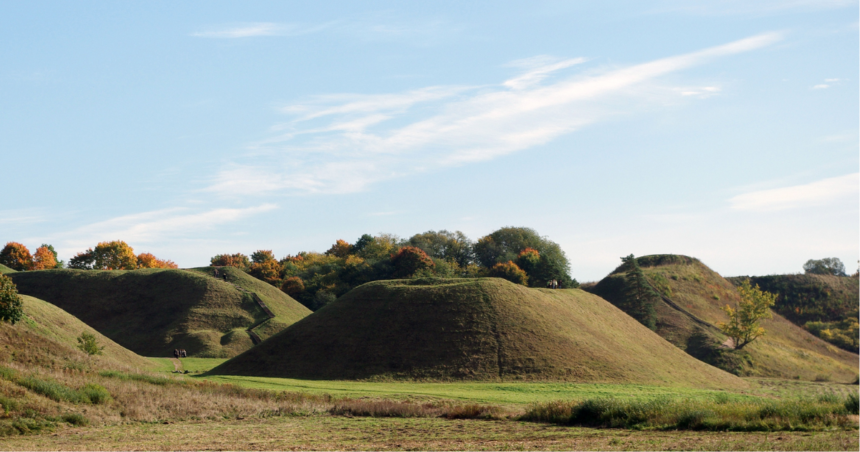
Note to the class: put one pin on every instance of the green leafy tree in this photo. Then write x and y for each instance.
(85, 260)
(744, 325)
(507, 243)
(639, 295)
(510, 271)
(261, 256)
(444, 245)
(827, 266)
(410, 260)
(378, 248)
(88, 343)
(11, 305)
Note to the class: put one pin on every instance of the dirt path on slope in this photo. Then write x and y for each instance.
(177, 364)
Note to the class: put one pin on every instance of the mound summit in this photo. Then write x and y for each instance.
(153, 311)
(473, 329)
(690, 309)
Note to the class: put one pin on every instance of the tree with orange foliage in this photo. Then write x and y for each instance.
(16, 256)
(148, 260)
(410, 260)
(528, 260)
(510, 271)
(237, 260)
(44, 259)
(293, 286)
(340, 249)
(269, 271)
(114, 255)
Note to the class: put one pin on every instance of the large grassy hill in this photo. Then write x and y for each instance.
(154, 311)
(689, 310)
(4, 269)
(473, 329)
(47, 337)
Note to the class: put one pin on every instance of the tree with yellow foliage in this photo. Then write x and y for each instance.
(744, 325)
(114, 255)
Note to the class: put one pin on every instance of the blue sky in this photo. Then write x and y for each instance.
(724, 130)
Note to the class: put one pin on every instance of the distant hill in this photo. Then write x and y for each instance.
(473, 329)
(47, 337)
(4, 269)
(153, 311)
(816, 302)
(692, 295)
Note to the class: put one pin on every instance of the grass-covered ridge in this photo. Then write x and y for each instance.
(153, 311)
(4, 270)
(689, 310)
(473, 329)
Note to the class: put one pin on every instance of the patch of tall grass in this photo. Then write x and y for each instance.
(715, 415)
(391, 408)
(54, 390)
(151, 379)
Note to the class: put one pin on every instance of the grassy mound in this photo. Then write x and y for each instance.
(153, 311)
(692, 295)
(4, 269)
(473, 329)
(47, 337)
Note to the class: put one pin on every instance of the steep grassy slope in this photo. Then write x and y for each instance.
(4, 269)
(804, 298)
(154, 311)
(692, 295)
(47, 337)
(473, 329)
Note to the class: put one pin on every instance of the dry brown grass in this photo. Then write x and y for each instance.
(392, 408)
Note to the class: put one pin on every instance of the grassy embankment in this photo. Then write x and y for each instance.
(485, 329)
(154, 311)
(689, 320)
(4, 270)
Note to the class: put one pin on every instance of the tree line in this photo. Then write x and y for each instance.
(113, 255)
(314, 279)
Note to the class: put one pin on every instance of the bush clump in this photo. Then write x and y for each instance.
(714, 415)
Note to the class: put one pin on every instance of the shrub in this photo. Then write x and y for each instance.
(509, 271)
(88, 343)
(852, 403)
(96, 394)
(76, 419)
(16, 256)
(11, 305)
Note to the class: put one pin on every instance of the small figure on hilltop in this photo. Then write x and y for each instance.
(216, 273)
(225, 276)
(183, 353)
(176, 353)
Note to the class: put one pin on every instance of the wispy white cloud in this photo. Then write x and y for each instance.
(22, 217)
(821, 86)
(748, 8)
(378, 137)
(812, 194)
(250, 30)
(154, 226)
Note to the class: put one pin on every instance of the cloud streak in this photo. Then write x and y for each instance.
(343, 144)
(798, 196)
(256, 29)
(155, 226)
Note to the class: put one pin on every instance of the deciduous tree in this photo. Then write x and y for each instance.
(85, 260)
(510, 271)
(340, 249)
(114, 255)
(16, 256)
(744, 325)
(237, 260)
(293, 286)
(11, 305)
(260, 256)
(44, 259)
(148, 260)
(269, 271)
(827, 266)
(410, 260)
(505, 245)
